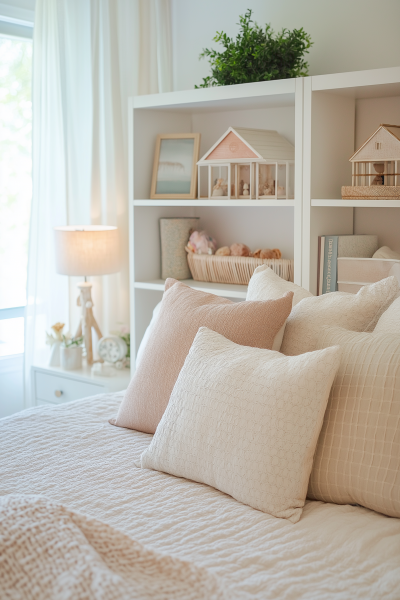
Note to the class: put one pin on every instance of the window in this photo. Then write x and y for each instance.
(15, 187)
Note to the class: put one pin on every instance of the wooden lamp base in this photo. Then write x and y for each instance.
(87, 319)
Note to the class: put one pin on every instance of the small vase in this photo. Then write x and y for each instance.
(54, 360)
(71, 358)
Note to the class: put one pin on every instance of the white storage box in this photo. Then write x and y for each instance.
(353, 273)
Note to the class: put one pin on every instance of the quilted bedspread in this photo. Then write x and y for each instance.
(50, 552)
(72, 455)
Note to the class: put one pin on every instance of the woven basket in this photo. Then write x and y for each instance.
(370, 192)
(234, 269)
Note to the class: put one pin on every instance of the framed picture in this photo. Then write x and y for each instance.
(175, 170)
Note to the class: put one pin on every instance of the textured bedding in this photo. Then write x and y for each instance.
(50, 552)
(72, 455)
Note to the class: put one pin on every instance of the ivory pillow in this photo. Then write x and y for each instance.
(265, 284)
(390, 320)
(183, 310)
(357, 312)
(357, 460)
(245, 421)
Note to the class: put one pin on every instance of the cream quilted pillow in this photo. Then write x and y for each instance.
(357, 460)
(265, 284)
(357, 312)
(245, 421)
(390, 320)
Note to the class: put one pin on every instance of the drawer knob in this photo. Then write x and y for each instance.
(58, 393)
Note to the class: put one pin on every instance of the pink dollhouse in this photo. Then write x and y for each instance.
(250, 164)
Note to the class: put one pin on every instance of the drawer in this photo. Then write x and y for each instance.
(46, 387)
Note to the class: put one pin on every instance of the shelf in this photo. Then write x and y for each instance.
(207, 202)
(374, 83)
(357, 203)
(219, 289)
(233, 97)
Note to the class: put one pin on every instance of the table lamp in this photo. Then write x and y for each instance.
(87, 250)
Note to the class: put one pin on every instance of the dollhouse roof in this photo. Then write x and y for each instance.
(240, 143)
(384, 144)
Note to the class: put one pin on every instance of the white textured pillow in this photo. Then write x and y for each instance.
(265, 284)
(390, 320)
(356, 312)
(245, 421)
(357, 460)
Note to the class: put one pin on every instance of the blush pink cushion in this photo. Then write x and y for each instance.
(183, 311)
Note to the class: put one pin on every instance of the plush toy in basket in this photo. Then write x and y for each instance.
(231, 264)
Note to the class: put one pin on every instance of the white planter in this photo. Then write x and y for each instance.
(71, 358)
(54, 360)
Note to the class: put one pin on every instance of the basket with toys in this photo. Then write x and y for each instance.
(231, 264)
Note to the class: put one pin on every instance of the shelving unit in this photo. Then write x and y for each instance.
(326, 117)
(264, 223)
(219, 289)
(340, 112)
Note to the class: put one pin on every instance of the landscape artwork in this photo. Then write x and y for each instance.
(175, 166)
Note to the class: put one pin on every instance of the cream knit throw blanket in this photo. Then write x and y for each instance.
(50, 552)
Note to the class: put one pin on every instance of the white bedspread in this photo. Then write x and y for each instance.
(71, 454)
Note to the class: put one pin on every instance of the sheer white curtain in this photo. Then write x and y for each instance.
(89, 57)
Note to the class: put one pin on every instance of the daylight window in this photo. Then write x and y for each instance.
(15, 186)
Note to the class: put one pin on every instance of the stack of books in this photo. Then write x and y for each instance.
(334, 247)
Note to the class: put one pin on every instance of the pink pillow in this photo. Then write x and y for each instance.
(183, 311)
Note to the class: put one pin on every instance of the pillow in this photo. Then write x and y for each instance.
(265, 284)
(357, 460)
(390, 320)
(183, 310)
(245, 421)
(147, 335)
(357, 312)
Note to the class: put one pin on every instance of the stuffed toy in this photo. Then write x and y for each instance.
(223, 251)
(240, 250)
(201, 243)
(267, 253)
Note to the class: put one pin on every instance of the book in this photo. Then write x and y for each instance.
(332, 247)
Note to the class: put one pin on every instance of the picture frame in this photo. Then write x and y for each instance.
(175, 166)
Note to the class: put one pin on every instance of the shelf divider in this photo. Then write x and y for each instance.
(228, 290)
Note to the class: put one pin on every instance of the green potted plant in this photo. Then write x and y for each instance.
(257, 54)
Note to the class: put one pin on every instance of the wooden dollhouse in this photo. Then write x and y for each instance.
(248, 164)
(375, 167)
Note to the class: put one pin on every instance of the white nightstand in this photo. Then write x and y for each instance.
(53, 385)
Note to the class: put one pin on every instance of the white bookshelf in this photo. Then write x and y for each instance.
(271, 223)
(326, 118)
(220, 289)
(340, 112)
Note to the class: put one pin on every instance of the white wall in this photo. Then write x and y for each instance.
(348, 35)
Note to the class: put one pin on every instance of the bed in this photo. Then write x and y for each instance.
(71, 454)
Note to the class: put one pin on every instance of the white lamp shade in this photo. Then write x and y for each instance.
(87, 250)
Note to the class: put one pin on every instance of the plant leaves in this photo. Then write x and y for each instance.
(256, 55)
